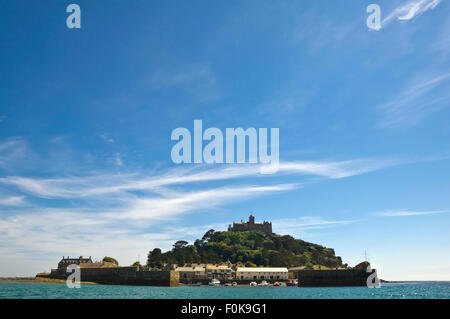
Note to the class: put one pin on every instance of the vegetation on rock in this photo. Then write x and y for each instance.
(249, 248)
(107, 259)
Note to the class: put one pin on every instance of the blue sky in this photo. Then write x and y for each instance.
(86, 117)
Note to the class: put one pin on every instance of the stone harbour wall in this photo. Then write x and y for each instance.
(123, 276)
(332, 278)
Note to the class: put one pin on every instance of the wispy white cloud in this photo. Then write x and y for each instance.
(405, 212)
(12, 150)
(109, 184)
(336, 169)
(410, 10)
(298, 226)
(416, 101)
(69, 187)
(12, 201)
(107, 138)
(178, 203)
(188, 232)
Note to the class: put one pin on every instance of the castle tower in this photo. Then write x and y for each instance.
(251, 219)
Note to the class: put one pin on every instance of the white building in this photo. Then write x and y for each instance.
(261, 273)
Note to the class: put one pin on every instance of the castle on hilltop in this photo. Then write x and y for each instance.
(265, 227)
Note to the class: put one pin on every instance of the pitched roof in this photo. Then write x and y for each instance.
(217, 267)
(262, 269)
(186, 269)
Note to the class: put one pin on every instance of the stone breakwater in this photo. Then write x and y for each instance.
(121, 276)
(333, 278)
(133, 276)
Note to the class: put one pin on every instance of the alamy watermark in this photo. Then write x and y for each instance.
(73, 21)
(373, 21)
(240, 146)
(74, 279)
(372, 280)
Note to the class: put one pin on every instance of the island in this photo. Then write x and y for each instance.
(247, 252)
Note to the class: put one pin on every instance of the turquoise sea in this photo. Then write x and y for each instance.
(408, 290)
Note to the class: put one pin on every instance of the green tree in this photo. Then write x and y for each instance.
(180, 244)
(208, 235)
(155, 258)
(107, 259)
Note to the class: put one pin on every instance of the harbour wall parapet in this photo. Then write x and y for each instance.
(123, 276)
(333, 278)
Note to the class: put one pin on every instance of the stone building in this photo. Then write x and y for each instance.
(261, 273)
(221, 272)
(83, 263)
(265, 227)
(192, 273)
(65, 262)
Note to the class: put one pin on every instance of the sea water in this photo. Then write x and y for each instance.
(408, 290)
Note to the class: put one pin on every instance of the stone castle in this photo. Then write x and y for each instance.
(265, 227)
